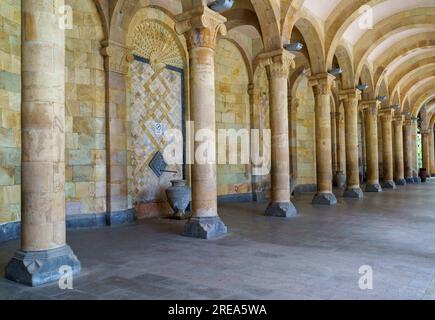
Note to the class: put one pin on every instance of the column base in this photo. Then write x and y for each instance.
(400, 182)
(327, 199)
(376, 187)
(409, 180)
(35, 268)
(340, 179)
(389, 185)
(417, 180)
(281, 210)
(354, 193)
(205, 228)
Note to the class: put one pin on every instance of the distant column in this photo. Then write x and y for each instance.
(387, 149)
(399, 167)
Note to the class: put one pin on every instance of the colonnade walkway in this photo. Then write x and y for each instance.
(316, 255)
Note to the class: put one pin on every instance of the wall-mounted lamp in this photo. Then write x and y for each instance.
(395, 106)
(382, 98)
(335, 71)
(221, 5)
(362, 86)
(406, 114)
(296, 46)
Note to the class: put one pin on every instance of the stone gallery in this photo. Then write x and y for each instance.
(217, 149)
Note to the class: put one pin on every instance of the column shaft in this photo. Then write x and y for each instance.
(425, 150)
(201, 26)
(408, 151)
(371, 127)
(350, 100)
(322, 84)
(399, 167)
(387, 150)
(277, 66)
(43, 247)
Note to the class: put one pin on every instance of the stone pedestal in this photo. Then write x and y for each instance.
(387, 149)
(201, 27)
(350, 100)
(322, 84)
(371, 129)
(399, 167)
(278, 65)
(43, 247)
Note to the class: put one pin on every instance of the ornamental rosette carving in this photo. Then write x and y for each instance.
(201, 26)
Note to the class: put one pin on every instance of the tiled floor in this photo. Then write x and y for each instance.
(314, 256)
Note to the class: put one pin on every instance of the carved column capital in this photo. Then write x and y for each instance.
(277, 63)
(201, 26)
(386, 114)
(117, 56)
(398, 120)
(370, 106)
(350, 94)
(322, 83)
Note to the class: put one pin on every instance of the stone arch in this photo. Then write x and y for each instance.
(382, 90)
(247, 60)
(313, 39)
(85, 178)
(367, 78)
(421, 100)
(402, 21)
(344, 59)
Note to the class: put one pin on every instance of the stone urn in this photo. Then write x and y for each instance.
(179, 197)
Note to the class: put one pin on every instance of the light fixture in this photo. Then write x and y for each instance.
(221, 5)
(362, 87)
(295, 46)
(335, 71)
(406, 114)
(382, 98)
(395, 106)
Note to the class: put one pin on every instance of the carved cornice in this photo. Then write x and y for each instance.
(117, 56)
(322, 83)
(201, 26)
(277, 63)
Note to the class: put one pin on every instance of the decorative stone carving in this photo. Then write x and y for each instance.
(156, 42)
(322, 83)
(201, 26)
(277, 63)
(117, 56)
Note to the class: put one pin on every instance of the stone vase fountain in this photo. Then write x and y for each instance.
(179, 196)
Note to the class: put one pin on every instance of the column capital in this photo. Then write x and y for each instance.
(371, 106)
(117, 56)
(277, 63)
(322, 83)
(398, 119)
(350, 94)
(425, 132)
(201, 26)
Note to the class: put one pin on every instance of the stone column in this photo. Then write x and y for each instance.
(425, 148)
(341, 151)
(201, 27)
(408, 151)
(117, 58)
(371, 128)
(278, 65)
(43, 247)
(431, 152)
(350, 100)
(399, 167)
(322, 84)
(415, 168)
(387, 149)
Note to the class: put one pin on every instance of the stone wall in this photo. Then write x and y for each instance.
(305, 134)
(85, 186)
(232, 112)
(10, 106)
